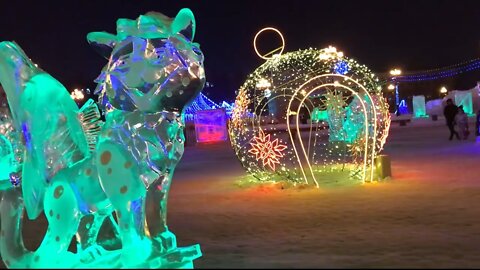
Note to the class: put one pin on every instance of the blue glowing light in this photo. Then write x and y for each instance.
(201, 103)
(440, 73)
(15, 179)
(341, 67)
(402, 107)
(26, 136)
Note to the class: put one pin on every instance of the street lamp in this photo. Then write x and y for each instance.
(394, 73)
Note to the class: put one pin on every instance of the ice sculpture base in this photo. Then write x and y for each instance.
(178, 258)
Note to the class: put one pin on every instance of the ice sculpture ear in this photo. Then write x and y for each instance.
(184, 23)
(102, 42)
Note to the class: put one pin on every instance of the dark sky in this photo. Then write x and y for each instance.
(412, 35)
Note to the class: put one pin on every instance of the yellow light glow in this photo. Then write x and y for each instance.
(443, 90)
(272, 52)
(395, 72)
(391, 87)
(330, 53)
(77, 95)
(263, 84)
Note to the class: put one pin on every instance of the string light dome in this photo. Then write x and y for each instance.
(310, 116)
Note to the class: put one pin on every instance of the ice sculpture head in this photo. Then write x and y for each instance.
(153, 65)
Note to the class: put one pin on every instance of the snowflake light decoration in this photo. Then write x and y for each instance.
(266, 150)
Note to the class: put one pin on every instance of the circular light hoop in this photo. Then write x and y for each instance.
(255, 42)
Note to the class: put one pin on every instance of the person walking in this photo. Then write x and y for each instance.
(462, 122)
(449, 112)
(477, 124)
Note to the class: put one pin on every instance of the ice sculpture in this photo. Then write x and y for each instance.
(464, 98)
(78, 170)
(419, 109)
(211, 125)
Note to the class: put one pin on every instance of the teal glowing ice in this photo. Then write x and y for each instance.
(464, 99)
(419, 109)
(346, 123)
(79, 170)
(319, 115)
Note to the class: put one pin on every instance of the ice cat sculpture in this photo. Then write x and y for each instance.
(78, 170)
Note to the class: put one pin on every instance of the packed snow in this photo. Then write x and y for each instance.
(426, 216)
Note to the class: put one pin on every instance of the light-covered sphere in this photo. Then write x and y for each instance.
(310, 116)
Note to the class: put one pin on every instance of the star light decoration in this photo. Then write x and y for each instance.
(299, 84)
(266, 150)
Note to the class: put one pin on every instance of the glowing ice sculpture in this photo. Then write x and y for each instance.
(78, 170)
(464, 99)
(419, 109)
(318, 115)
(211, 125)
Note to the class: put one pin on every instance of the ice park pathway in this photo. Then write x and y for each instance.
(427, 216)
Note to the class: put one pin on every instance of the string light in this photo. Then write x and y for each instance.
(439, 73)
(202, 102)
(447, 67)
(266, 150)
(351, 132)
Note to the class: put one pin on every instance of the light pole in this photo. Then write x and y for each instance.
(394, 73)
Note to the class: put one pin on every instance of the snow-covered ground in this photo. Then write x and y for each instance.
(427, 216)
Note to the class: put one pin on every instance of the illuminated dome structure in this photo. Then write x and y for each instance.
(310, 116)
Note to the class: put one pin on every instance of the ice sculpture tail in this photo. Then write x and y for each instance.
(45, 114)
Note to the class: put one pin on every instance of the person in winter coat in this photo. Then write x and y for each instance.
(449, 112)
(462, 122)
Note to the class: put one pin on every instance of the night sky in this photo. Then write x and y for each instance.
(412, 35)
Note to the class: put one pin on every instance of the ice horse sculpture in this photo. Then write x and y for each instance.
(78, 170)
